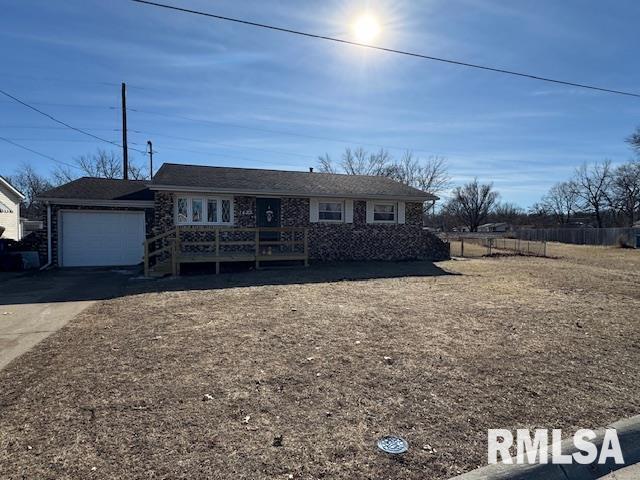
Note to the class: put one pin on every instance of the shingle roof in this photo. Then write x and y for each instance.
(91, 188)
(249, 180)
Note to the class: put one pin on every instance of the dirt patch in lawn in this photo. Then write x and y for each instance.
(298, 375)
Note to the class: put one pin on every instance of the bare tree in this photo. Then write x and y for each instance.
(325, 164)
(472, 203)
(429, 175)
(102, 163)
(31, 184)
(634, 140)
(594, 182)
(360, 162)
(507, 212)
(561, 201)
(625, 190)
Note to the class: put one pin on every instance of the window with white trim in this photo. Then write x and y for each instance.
(182, 210)
(384, 212)
(212, 210)
(203, 210)
(331, 211)
(196, 210)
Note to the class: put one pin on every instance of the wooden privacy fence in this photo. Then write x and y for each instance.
(582, 236)
(476, 246)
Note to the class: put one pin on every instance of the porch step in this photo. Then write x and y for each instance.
(161, 269)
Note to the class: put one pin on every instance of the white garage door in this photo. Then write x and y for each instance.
(93, 239)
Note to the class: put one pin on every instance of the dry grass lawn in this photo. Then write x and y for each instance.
(306, 369)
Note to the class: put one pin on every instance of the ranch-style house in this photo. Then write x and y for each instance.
(203, 214)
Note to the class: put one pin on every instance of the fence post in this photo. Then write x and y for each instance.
(544, 246)
(489, 244)
(462, 247)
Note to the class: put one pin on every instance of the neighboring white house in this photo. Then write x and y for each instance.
(10, 199)
(494, 227)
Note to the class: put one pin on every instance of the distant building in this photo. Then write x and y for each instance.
(10, 200)
(494, 227)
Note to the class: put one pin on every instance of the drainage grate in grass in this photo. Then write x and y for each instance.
(393, 445)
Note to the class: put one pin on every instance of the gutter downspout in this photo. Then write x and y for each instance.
(48, 264)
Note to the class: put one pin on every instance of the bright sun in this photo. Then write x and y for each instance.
(366, 28)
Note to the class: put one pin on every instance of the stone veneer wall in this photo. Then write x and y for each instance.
(163, 212)
(336, 241)
(244, 212)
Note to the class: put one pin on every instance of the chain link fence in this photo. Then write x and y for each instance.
(479, 246)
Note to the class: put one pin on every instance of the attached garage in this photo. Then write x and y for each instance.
(101, 238)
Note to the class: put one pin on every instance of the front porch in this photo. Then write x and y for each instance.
(165, 253)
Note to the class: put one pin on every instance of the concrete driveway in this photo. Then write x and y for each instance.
(628, 473)
(34, 305)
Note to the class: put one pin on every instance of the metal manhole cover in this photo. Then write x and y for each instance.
(392, 444)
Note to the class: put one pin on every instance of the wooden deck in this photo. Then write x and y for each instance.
(165, 253)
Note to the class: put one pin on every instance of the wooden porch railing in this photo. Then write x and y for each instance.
(213, 244)
(152, 250)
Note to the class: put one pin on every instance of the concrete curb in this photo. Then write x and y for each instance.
(628, 434)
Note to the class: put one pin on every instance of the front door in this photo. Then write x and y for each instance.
(268, 215)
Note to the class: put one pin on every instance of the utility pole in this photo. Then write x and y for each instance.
(125, 153)
(150, 159)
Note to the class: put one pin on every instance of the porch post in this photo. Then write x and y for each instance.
(306, 247)
(257, 248)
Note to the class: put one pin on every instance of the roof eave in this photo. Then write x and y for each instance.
(92, 202)
(281, 193)
(12, 189)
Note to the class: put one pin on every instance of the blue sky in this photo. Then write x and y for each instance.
(210, 92)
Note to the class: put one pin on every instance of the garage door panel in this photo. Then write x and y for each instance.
(92, 238)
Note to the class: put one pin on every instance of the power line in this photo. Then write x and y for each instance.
(227, 145)
(66, 105)
(42, 139)
(389, 50)
(51, 117)
(41, 127)
(38, 153)
(75, 81)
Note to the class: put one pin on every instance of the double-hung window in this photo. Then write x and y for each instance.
(203, 210)
(182, 210)
(384, 212)
(331, 211)
(212, 210)
(196, 210)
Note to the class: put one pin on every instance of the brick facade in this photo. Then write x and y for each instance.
(334, 241)
(327, 241)
(244, 212)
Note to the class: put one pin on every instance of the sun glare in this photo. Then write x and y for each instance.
(366, 28)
